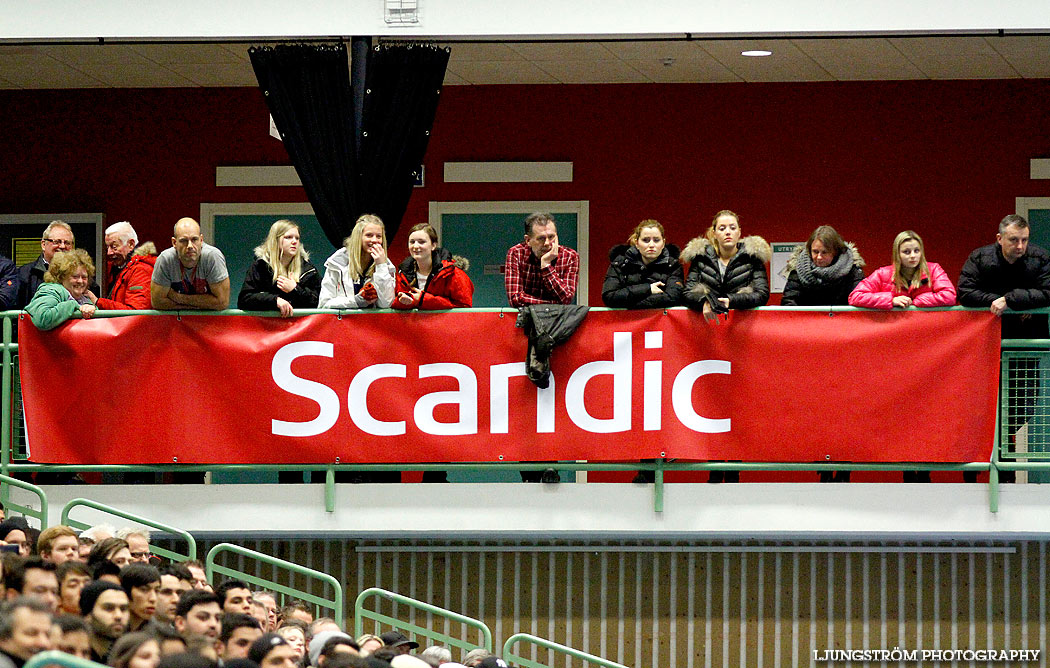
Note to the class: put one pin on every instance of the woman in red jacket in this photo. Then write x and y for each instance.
(431, 278)
(909, 281)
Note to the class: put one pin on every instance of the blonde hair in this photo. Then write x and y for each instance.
(648, 222)
(64, 263)
(270, 251)
(360, 262)
(899, 281)
(710, 234)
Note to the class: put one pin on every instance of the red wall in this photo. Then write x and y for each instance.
(870, 158)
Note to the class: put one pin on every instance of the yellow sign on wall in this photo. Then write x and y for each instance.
(24, 251)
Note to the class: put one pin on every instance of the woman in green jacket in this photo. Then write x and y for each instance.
(64, 293)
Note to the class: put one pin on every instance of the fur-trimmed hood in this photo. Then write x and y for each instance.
(148, 248)
(800, 250)
(753, 245)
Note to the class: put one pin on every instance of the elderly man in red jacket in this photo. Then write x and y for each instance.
(130, 269)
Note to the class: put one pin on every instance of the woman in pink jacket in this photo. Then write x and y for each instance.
(909, 281)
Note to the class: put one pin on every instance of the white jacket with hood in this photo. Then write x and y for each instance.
(337, 288)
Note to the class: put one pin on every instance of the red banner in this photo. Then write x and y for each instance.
(777, 386)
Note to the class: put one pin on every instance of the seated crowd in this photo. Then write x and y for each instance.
(106, 598)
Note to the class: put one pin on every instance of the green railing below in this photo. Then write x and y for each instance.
(6, 482)
(56, 658)
(516, 659)
(335, 604)
(360, 614)
(191, 550)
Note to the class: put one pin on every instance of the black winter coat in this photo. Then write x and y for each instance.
(628, 281)
(818, 288)
(745, 281)
(987, 275)
(260, 293)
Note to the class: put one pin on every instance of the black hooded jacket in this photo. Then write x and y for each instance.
(628, 281)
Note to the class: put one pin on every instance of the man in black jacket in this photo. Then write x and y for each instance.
(58, 236)
(1012, 274)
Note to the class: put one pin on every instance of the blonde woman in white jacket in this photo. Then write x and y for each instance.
(359, 275)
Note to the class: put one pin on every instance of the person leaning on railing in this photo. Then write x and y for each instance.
(281, 278)
(643, 273)
(359, 275)
(909, 281)
(726, 272)
(191, 274)
(431, 278)
(823, 272)
(1011, 274)
(64, 294)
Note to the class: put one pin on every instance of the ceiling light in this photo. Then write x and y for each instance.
(756, 53)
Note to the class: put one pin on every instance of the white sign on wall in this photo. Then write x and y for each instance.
(778, 264)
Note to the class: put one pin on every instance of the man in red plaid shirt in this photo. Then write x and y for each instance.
(538, 270)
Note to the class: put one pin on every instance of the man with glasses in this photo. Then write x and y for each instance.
(58, 236)
(138, 544)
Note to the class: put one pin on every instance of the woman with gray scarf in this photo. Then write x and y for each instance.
(823, 272)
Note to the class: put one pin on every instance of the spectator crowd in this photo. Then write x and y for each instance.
(102, 595)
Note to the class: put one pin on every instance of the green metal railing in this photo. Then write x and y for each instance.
(1004, 458)
(55, 658)
(191, 550)
(40, 514)
(361, 614)
(335, 604)
(514, 658)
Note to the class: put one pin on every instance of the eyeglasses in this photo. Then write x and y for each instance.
(64, 243)
(141, 555)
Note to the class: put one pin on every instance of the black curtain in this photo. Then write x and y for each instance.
(347, 171)
(402, 90)
(307, 88)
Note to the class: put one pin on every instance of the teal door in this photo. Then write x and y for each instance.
(484, 238)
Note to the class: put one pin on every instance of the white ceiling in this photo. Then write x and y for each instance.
(115, 65)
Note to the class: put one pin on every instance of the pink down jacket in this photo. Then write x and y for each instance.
(878, 291)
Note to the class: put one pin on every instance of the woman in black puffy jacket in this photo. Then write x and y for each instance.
(645, 272)
(726, 272)
(822, 272)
